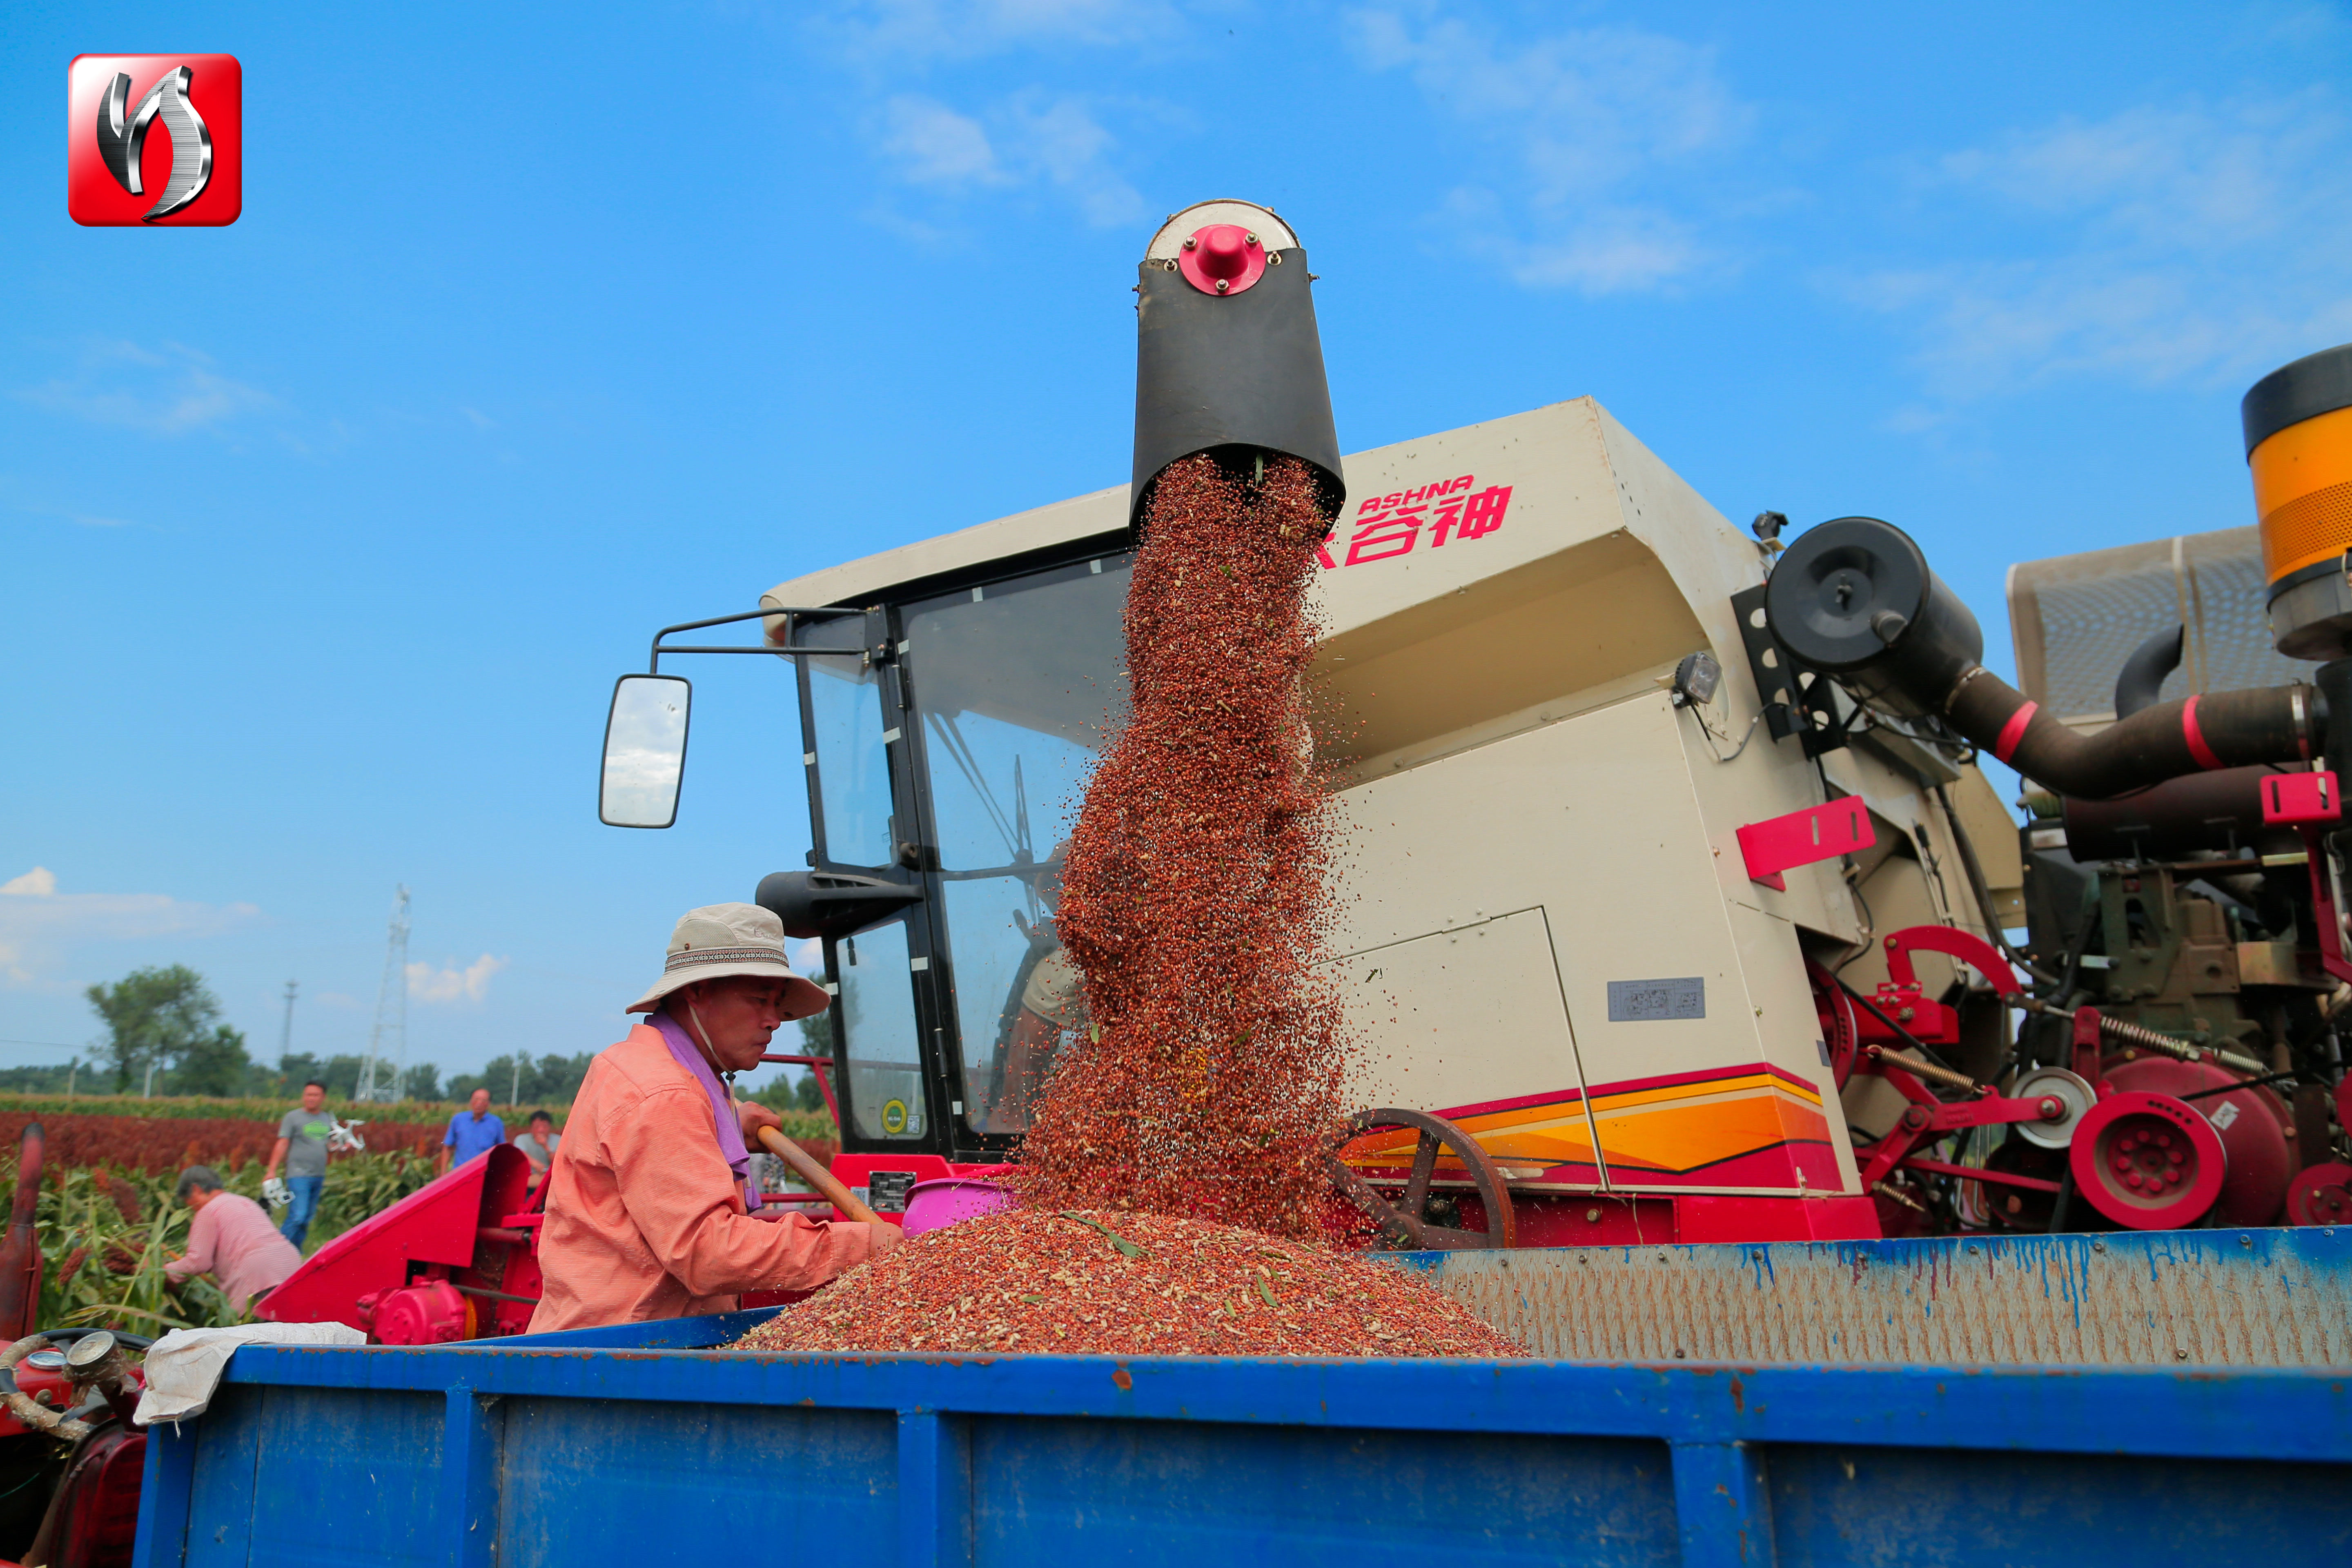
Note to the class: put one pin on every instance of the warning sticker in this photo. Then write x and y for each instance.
(2223, 1114)
(1650, 1001)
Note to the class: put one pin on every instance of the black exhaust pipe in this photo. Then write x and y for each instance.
(1855, 599)
(1228, 360)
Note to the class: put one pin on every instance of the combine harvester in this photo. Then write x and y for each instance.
(1699, 1052)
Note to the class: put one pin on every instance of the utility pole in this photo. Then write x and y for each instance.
(286, 1030)
(514, 1094)
(391, 1009)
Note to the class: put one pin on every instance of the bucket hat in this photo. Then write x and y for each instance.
(719, 940)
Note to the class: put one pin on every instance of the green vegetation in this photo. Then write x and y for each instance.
(167, 1053)
(250, 1107)
(106, 1234)
(518, 1080)
(167, 1021)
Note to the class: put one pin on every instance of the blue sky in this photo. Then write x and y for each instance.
(326, 533)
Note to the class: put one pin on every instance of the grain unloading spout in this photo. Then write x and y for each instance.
(1227, 357)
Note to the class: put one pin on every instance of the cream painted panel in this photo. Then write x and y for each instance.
(1432, 1009)
(866, 579)
(1594, 820)
(1576, 621)
(1786, 1024)
(1562, 494)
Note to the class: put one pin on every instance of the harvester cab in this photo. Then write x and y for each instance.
(1675, 907)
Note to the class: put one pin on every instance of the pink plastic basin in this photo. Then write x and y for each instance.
(942, 1203)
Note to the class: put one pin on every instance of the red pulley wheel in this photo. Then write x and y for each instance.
(2321, 1195)
(2148, 1161)
(2251, 1122)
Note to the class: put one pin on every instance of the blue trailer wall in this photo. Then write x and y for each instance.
(631, 1444)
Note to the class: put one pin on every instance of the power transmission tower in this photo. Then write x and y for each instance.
(390, 1011)
(286, 1030)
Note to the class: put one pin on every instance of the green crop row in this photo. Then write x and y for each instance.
(106, 1234)
(797, 1123)
(253, 1109)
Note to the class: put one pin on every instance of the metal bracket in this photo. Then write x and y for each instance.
(787, 611)
(1796, 701)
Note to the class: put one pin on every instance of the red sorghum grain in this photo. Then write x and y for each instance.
(1209, 1082)
(1174, 1179)
(1107, 1282)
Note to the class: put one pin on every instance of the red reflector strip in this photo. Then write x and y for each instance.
(2206, 756)
(2294, 799)
(2014, 731)
(1802, 838)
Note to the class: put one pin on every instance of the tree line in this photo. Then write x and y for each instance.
(166, 1034)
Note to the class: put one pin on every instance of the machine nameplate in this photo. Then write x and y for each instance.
(1645, 1000)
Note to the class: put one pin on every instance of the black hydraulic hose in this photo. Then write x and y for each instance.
(2142, 673)
(1982, 889)
(2192, 734)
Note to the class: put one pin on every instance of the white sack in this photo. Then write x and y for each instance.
(185, 1365)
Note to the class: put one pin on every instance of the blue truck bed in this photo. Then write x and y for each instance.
(644, 1443)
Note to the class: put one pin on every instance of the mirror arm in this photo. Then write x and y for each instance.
(787, 611)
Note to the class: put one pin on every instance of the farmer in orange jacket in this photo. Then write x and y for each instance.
(646, 1213)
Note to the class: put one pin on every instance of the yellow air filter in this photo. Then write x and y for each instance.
(2298, 423)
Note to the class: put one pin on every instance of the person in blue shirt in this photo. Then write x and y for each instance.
(472, 1131)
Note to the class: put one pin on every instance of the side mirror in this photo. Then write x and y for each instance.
(645, 751)
(831, 903)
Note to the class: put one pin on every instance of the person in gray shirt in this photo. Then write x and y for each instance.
(302, 1149)
(539, 1145)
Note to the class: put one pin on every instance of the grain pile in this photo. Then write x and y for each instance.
(1107, 1283)
(1209, 1084)
(1173, 1183)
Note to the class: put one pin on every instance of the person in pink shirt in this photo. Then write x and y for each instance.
(231, 1238)
(647, 1203)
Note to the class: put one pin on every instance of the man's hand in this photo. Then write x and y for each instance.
(884, 1238)
(754, 1117)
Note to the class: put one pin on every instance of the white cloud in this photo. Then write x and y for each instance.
(39, 926)
(1064, 141)
(934, 145)
(2166, 244)
(900, 31)
(806, 957)
(169, 391)
(449, 983)
(1597, 120)
(1003, 145)
(78, 518)
(1029, 139)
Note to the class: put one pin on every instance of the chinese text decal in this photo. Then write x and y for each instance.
(1391, 525)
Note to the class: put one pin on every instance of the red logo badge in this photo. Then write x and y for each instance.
(154, 138)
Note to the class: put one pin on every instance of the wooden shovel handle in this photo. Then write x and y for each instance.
(817, 1176)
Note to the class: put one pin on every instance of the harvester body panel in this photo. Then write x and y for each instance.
(1548, 929)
